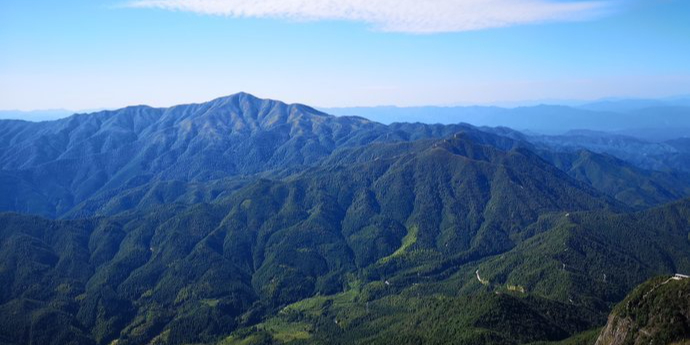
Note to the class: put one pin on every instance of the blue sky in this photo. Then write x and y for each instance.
(85, 54)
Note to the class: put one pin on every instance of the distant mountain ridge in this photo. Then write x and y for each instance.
(89, 162)
(669, 119)
(82, 154)
(651, 119)
(35, 115)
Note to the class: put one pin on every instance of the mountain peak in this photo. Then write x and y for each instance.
(244, 97)
(246, 100)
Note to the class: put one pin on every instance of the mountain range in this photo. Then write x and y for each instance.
(650, 120)
(655, 120)
(250, 221)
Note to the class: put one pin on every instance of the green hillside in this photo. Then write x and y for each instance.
(254, 266)
(244, 221)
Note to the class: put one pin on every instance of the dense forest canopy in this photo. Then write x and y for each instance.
(250, 221)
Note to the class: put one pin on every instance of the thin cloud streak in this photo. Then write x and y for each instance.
(405, 16)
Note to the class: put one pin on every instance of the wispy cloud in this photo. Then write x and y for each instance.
(409, 16)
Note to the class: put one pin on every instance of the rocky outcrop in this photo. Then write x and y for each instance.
(657, 312)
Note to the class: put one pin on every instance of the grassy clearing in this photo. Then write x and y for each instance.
(408, 241)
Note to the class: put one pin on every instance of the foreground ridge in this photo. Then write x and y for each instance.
(657, 312)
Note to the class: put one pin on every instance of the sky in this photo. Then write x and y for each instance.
(86, 54)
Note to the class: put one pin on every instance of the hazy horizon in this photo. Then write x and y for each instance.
(499, 104)
(77, 54)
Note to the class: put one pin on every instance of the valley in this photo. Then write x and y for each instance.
(251, 221)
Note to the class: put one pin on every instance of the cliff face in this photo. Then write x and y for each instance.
(657, 312)
(616, 331)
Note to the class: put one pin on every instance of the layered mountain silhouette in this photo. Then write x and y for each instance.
(656, 120)
(50, 168)
(244, 220)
